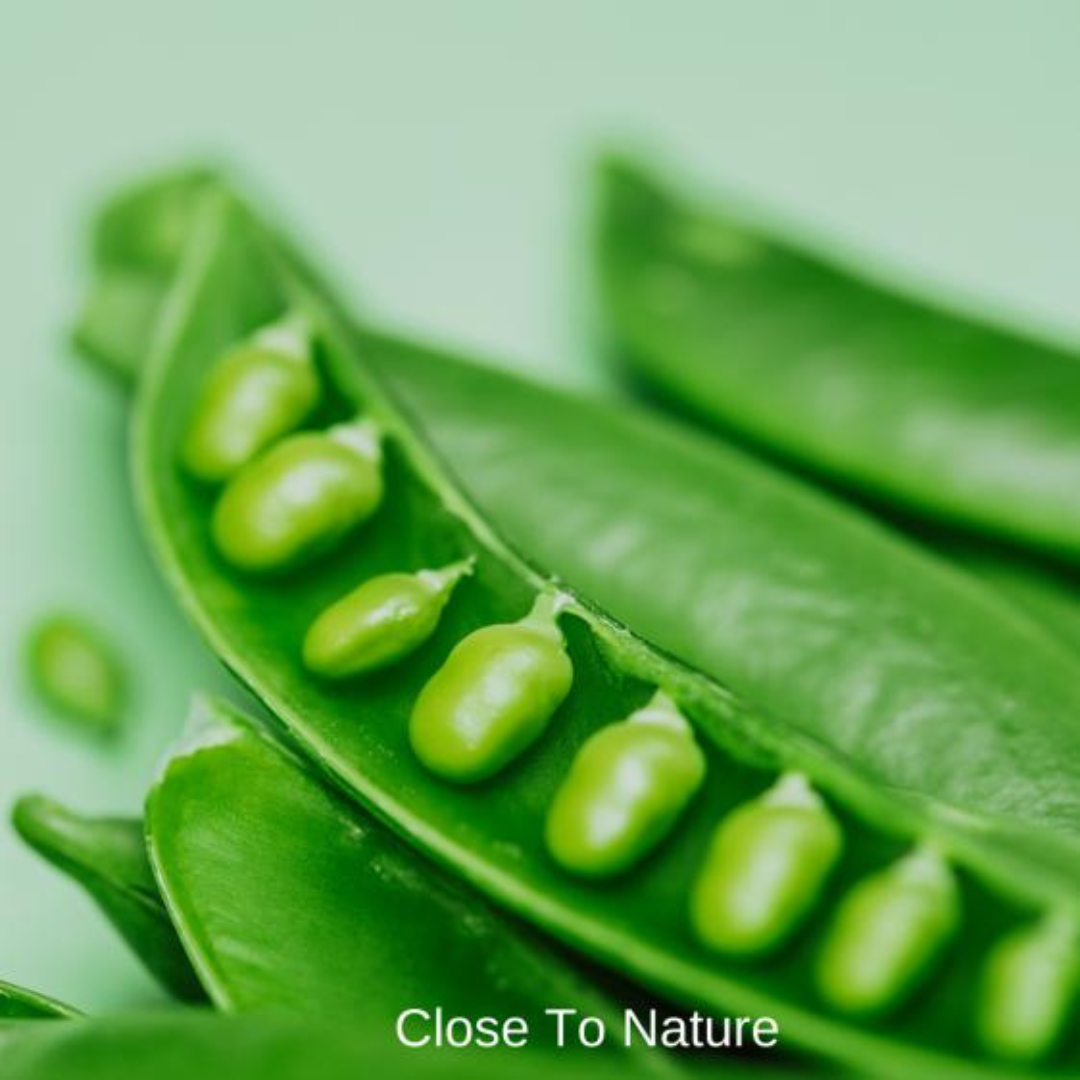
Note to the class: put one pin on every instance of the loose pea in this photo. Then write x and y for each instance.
(380, 622)
(493, 697)
(259, 391)
(765, 869)
(1028, 990)
(887, 933)
(625, 790)
(77, 672)
(300, 498)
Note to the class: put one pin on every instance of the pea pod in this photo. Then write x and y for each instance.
(493, 833)
(107, 856)
(812, 356)
(18, 1003)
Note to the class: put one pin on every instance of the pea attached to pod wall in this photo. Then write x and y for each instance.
(626, 788)
(493, 697)
(300, 498)
(887, 933)
(765, 869)
(380, 622)
(76, 671)
(1029, 986)
(259, 391)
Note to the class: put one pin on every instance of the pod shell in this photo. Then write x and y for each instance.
(254, 396)
(295, 502)
(886, 935)
(763, 873)
(626, 788)
(378, 623)
(491, 699)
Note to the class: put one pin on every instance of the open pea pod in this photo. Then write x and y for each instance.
(286, 898)
(107, 857)
(808, 609)
(18, 1003)
(804, 354)
(625, 802)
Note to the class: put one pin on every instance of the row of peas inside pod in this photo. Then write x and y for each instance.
(289, 496)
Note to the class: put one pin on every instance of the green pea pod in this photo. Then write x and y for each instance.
(236, 276)
(800, 350)
(107, 857)
(380, 932)
(18, 1003)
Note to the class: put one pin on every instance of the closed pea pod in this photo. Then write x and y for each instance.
(765, 868)
(300, 498)
(258, 392)
(380, 622)
(76, 671)
(493, 697)
(627, 786)
(1028, 989)
(887, 933)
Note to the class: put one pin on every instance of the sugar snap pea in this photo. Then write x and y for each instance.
(236, 276)
(808, 355)
(107, 856)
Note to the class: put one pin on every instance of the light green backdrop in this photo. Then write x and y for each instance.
(437, 154)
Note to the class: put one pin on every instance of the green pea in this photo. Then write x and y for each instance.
(493, 697)
(765, 869)
(887, 933)
(626, 788)
(300, 498)
(259, 391)
(1028, 990)
(380, 622)
(76, 672)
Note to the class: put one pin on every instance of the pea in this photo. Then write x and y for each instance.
(380, 622)
(887, 933)
(625, 790)
(76, 671)
(765, 869)
(1028, 989)
(260, 390)
(493, 697)
(300, 498)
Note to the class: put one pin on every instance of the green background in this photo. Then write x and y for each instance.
(438, 155)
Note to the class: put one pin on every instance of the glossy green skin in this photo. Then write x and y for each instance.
(1028, 991)
(107, 857)
(17, 1003)
(490, 701)
(796, 350)
(380, 931)
(885, 937)
(493, 833)
(77, 673)
(294, 503)
(628, 785)
(763, 874)
(182, 1045)
(253, 397)
(374, 626)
